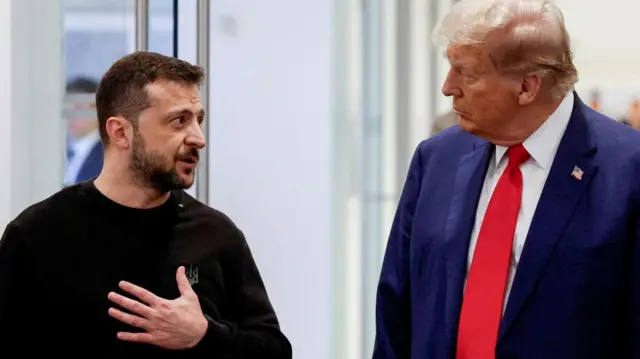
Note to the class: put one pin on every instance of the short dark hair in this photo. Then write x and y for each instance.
(122, 92)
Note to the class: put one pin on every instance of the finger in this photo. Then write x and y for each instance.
(141, 293)
(183, 282)
(131, 305)
(136, 337)
(132, 320)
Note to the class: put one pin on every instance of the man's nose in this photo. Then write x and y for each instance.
(449, 87)
(196, 138)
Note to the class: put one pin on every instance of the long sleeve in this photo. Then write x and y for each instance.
(393, 309)
(254, 331)
(17, 298)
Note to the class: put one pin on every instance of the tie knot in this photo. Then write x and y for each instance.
(517, 155)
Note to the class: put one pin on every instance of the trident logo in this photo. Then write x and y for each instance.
(192, 274)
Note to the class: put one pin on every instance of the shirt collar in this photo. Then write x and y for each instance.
(543, 144)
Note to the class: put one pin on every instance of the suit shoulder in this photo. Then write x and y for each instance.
(611, 135)
(449, 141)
(617, 152)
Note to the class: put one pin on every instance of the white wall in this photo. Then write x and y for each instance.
(607, 51)
(270, 152)
(31, 146)
(605, 40)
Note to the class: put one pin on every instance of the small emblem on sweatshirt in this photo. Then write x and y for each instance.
(192, 274)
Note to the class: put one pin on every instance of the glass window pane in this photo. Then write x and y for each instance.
(96, 34)
(161, 27)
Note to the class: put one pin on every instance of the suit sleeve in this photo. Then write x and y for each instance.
(254, 331)
(635, 290)
(16, 296)
(393, 308)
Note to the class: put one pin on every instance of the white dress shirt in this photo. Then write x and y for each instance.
(81, 149)
(542, 145)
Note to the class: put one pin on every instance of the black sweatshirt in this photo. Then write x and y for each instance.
(61, 257)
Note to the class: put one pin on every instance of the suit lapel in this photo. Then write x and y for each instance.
(466, 192)
(558, 200)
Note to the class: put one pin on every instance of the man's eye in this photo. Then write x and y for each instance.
(181, 120)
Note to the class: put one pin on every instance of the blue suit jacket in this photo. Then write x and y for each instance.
(92, 164)
(576, 294)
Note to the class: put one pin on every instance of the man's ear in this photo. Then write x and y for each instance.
(529, 88)
(120, 132)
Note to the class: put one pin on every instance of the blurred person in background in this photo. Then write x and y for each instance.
(517, 232)
(130, 265)
(84, 155)
(594, 100)
(633, 116)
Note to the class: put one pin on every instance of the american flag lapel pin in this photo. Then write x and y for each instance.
(577, 173)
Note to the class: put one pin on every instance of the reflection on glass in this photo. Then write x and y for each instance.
(96, 34)
(161, 27)
(83, 155)
(95, 37)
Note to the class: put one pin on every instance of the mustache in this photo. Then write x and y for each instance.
(191, 155)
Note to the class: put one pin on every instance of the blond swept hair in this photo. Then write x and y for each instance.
(526, 37)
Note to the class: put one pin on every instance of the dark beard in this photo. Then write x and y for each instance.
(148, 170)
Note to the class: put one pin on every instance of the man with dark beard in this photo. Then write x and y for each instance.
(129, 265)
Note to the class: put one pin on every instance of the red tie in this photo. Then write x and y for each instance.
(484, 294)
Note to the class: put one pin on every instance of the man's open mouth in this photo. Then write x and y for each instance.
(191, 160)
